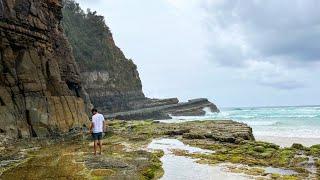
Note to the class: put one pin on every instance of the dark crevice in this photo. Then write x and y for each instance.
(74, 87)
(51, 132)
(19, 134)
(33, 133)
(1, 9)
(2, 131)
(2, 102)
(48, 70)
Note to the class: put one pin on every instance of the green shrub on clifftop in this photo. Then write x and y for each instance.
(87, 33)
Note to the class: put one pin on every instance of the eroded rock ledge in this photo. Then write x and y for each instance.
(162, 108)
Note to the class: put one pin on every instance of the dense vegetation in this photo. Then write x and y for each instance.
(88, 36)
(95, 51)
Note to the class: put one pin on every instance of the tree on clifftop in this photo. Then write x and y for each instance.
(88, 34)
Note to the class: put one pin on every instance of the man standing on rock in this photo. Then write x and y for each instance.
(97, 128)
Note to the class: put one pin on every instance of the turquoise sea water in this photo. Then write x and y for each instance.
(300, 122)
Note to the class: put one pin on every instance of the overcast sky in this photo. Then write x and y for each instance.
(236, 53)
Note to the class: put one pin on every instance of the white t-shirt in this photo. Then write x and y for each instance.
(97, 121)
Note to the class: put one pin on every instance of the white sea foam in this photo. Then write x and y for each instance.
(289, 132)
(262, 123)
(298, 122)
(208, 111)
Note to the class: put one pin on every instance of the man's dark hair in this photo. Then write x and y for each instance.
(94, 110)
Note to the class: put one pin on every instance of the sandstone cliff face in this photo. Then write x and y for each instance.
(40, 84)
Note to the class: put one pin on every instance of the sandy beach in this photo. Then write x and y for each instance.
(288, 141)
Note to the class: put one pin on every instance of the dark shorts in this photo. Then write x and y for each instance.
(97, 136)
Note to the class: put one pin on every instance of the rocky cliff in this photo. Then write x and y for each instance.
(43, 91)
(40, 84)
(111, 79)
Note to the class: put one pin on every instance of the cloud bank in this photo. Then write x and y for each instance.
(234, 52)
(266, 39)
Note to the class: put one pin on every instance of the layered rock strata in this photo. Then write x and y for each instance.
(40, 85)
(159, 109)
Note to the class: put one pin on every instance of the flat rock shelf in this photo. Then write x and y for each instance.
(154, 150)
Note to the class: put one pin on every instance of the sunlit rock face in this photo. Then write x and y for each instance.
(40, 85)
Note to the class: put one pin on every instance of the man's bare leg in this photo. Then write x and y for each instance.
(100, 147)
(95, 147)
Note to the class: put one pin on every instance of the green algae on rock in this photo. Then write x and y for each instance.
(262, 154)
(74, 160)
(125, 152)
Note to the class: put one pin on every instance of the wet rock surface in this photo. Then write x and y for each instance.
(125, 154)
(94, 162)
(221, 131)
(260, 159)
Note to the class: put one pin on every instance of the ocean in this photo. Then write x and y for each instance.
(279, 122)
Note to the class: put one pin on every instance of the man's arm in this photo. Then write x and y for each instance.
(91, 127)
(104, 126)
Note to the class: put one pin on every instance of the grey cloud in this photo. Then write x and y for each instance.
(231, 56)
(282, 32)
(271, 28)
